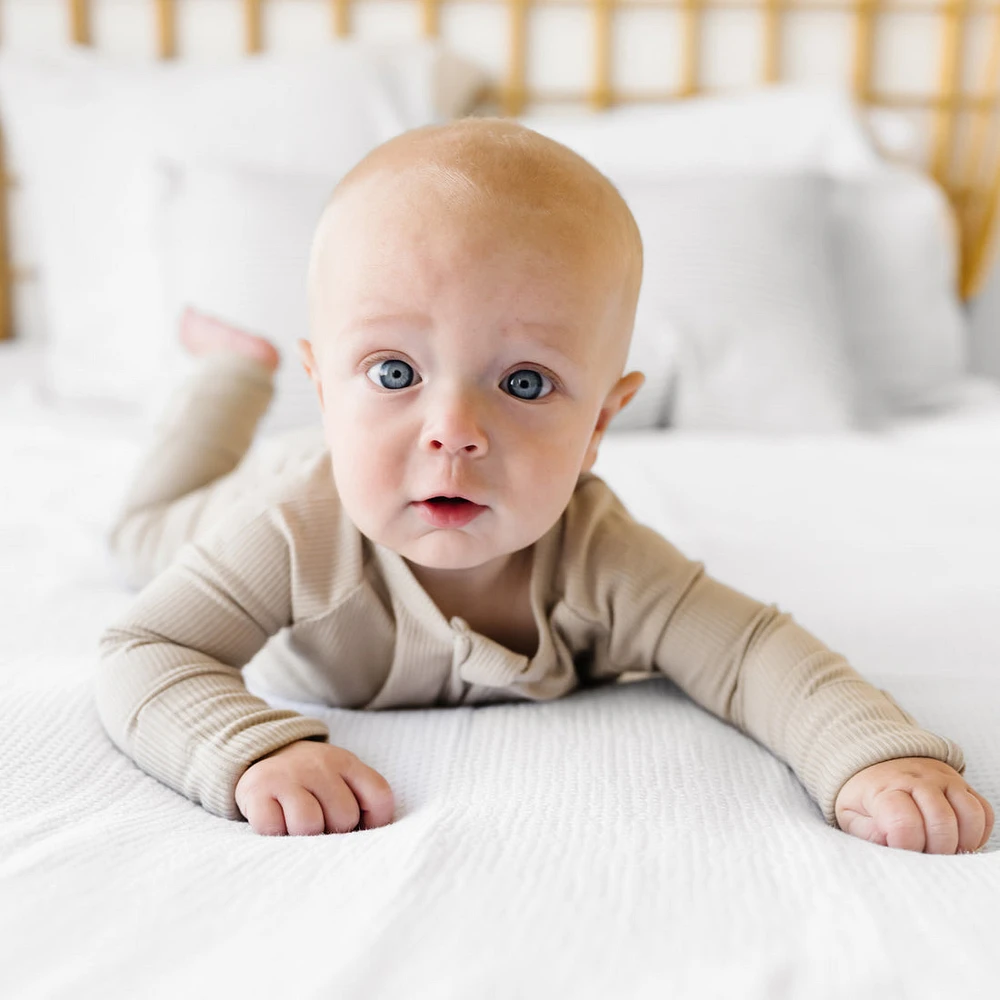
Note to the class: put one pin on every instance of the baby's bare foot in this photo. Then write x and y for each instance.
(201, 334)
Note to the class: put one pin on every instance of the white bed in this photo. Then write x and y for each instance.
(620, 842)
(617, 843)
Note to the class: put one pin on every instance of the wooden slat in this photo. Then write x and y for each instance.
(600, 94)
(166, 29)
(515, 90)
(690, 47)
(972, 168)
(982, 185)
(6, 277)
(253, 25)
(864, 33)
(430, 20)
(771, 69)
(982, 244)
(937, 102)
(79, 22)
(340, 12)
(952, 28)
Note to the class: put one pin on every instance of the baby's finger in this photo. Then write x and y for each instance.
(264, 814)
(899, 818)
(989, 819)
(971, 817)
(303, 814)
(940, 821)
(341, 811)
(372, 792)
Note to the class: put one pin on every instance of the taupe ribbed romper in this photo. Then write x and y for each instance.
(234, 554)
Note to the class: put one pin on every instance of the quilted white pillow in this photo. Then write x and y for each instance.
(236, 246)
(85, 132)
(738, 271)
(896, 247)
(783, 127)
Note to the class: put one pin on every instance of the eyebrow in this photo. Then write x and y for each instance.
(555, 333)
(551, 333)
(376, 320)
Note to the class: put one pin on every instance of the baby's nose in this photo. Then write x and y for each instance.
(455, 429)
(471, 448)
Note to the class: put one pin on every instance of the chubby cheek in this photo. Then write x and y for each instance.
(368, 457)
(545, 468)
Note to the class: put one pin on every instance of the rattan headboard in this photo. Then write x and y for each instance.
(963, 152)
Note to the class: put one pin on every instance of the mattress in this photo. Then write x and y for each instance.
(619, 842)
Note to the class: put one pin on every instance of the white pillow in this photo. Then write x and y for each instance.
(236, 246)
(894, 254)
(784, 127)
(739, 271)
(781, 128)
(653, 351)
(84, 134)
(896, 244)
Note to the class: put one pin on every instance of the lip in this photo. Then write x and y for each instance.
(449, 515)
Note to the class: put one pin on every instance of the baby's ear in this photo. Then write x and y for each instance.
(626, 387)
(308, 360)
(619, 396)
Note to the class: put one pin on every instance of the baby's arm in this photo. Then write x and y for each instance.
(755, 667)
(170, 690)
(849, 743)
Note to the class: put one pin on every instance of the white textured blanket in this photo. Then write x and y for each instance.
(621, 842)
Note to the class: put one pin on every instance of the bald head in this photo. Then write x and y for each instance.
(494, 173)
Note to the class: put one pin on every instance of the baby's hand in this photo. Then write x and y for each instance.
(916, 803)
(308, 788)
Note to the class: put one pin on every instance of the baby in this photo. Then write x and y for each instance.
(472, 291)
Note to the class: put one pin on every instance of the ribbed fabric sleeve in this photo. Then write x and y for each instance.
(744, 661)
(183, 481)
(169, 686)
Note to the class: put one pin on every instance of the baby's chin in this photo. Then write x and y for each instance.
(450, 550)
(459, 548)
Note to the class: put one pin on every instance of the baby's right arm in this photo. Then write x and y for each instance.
(170, 689)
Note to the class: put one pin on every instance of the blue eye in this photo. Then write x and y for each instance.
(526, 383)
(392, 374)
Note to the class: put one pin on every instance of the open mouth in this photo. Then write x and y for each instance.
(449, 512)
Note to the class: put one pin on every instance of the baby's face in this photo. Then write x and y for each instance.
(467, 364)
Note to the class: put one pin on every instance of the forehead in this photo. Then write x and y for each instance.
(407, 227)
(403, 251)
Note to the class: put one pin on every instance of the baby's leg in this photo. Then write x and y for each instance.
(190, 474)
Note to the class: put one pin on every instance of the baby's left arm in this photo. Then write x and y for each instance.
(916, 803)
(872, 769)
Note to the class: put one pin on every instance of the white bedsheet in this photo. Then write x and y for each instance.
(620, 842)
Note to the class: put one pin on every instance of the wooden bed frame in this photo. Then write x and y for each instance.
(968, 170)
